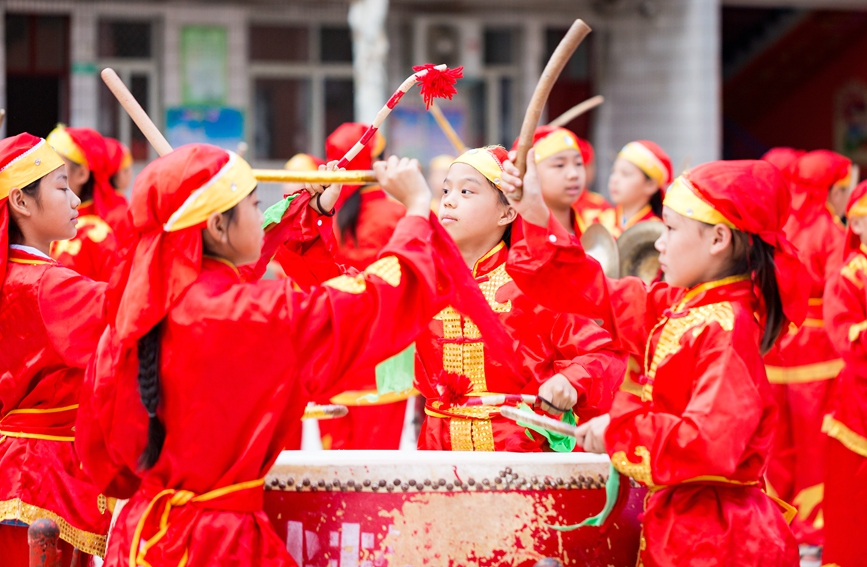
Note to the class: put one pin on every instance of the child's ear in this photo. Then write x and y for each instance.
(18, 203)
(509, 215)
(721, 238)
(216, 227)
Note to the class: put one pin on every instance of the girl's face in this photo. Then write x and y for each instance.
(55, 213)
(123, 178)
(563, 177)
(78, 175)
(238, 241)
(691, 252)
(629, 185)
(470, 209)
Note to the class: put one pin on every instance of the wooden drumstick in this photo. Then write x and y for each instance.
(324, 412)
(539, 420)
(559, 58)
(136, 112)
(447, 129)
(577, 111)
(2, 116)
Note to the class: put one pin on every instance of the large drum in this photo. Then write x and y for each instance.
(440, 509)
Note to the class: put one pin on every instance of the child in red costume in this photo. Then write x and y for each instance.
(102, 213)
(845, 309)
(700, 433)
(803, 366)
(50, 321)
(187, 434)
(568, 360)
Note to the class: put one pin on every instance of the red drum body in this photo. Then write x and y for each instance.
(444, 509)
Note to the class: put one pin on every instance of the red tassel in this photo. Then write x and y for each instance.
(452, 387)
(438, 84)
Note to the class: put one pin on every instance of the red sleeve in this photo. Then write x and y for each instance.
(846, 317)
(303, 243)
(587, 358)
(709, 438)
(73, 310)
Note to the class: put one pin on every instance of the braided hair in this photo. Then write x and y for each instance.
(149, 390)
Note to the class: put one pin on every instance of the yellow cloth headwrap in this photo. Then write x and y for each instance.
(35, 163)
(645, 160)
(65, 146)
(859, 209)
(682, 198)
(484, 162)
(557, 141)
(222, 192)
(301, 162)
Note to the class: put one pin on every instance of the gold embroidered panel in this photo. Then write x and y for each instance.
(639, 471)
(387, 269)
(675, 328)
(856, 265)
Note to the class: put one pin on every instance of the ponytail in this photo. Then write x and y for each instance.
(756, 257)
(347, 216)
(149, 390)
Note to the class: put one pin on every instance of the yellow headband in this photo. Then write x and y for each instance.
(126, 161)
(222, 192)
(63, 144)
(482, 161)
(645, 160)
(859, 209)
(35, 163)
(554, 143)
(683, 199)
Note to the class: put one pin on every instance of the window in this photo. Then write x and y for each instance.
(301, 80)
(124, 40)
(500, 46)
(127, 46)
(501, 72)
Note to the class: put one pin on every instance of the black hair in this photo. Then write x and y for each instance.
(32, 191)
(754, 256)
(655, 199)
(113, 180)
(149, 391)
(86, 193)
(347, 216)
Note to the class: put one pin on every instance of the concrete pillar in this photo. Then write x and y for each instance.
(84, 77)
(660, 76)
(370, 51)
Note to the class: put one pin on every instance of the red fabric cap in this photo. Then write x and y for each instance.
(853, 241)
(544, 131)
(161, 265)
(116, 151)
(586, 151)
(109, 205)
(754, 196)
(341, 141)
(655, 150)
(784, 159)
(812, 177)
(10, 149)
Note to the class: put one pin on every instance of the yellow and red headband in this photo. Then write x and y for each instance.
(488, 161)
(682, 198)
(644, 159)
(24, 169)
(222, 192)
(557, 141)
(62, 142)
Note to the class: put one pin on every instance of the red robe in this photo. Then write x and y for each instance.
(93, 250)
(612, 219)
(50, 321)
(845, 490)
(589, 206)
(802, 369)
(376, 426)
(546, 343)
(701, 433)
(295, 345)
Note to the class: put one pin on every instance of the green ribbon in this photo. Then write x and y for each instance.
(557, 441)
(274, 213)
(612, 491)
(395, 374)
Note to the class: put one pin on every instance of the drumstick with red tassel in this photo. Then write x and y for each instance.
(437, 81)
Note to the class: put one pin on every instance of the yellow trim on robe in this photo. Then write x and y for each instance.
(805, 373)
(683, 199)
(88, 542)
(35, 163)
(839, 431)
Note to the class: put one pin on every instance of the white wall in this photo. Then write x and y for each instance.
(661, 81)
